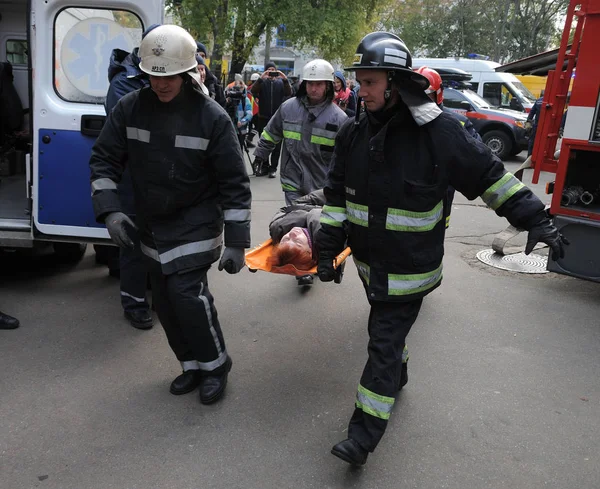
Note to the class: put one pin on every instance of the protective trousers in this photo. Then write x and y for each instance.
(389, 323)
(134, 278)
(132, 263)
(187, 313)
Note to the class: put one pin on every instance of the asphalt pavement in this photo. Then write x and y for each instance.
(503, 385)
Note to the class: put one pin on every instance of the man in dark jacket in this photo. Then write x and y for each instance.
(125, 76)
(211, 81)
(191, 193)
(271, 89)
(532, 122)
(385, 196)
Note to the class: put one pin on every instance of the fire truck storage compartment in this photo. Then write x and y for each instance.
(581, 191)
(584, 236)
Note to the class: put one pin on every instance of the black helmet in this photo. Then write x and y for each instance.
(386, 51)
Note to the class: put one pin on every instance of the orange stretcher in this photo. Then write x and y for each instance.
(257, 259)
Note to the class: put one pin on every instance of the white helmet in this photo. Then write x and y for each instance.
(317, 70)
(254, 77)
(167, 50)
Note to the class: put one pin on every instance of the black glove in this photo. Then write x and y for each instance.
(325, 267)
(233, 260)
(260, 167)
(116, 224)
(546, 232)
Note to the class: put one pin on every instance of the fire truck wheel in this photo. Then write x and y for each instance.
(499, 143)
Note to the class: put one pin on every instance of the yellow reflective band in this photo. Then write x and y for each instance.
(292, 135)
(322, 140)
(268, 137)
(501, 191)
(357, 214)
(413, 283)
(364, 270)
(288, 188)
(333, 216)
(402, 220)
(374, 404)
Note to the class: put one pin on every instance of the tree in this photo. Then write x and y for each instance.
(502, 29)
(332, 27)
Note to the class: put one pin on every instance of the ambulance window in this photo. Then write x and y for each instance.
(84, 40)
(16, 51)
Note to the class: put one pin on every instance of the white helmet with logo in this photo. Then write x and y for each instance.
(167, 50)
(317, 70)
(254, 77)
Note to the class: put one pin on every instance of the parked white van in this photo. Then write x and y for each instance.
(44, 156)
(502, 90)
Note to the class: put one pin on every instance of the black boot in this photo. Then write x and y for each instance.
(186, 382)
(403, 375)
(304, 280)
(350, 451)
(139, 318)
(213, 386)
(8, 322)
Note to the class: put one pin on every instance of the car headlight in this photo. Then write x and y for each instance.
(520, 124)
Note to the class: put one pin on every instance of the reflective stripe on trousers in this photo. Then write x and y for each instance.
(389, 323)
(185, 307)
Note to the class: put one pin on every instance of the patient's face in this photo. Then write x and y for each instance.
(296, 238)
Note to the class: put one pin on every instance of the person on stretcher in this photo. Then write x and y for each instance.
(293, 229)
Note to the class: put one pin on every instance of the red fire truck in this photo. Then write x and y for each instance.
(575, 204)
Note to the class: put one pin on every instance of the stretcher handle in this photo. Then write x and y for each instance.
(341, 258)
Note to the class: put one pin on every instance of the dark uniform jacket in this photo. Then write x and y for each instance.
(270, 93)
(386, 194)
(188, 175)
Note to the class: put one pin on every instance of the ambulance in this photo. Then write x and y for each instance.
(54, 56)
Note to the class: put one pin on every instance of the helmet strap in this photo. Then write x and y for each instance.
(388, 91)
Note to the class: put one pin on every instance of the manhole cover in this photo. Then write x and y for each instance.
(519, 262)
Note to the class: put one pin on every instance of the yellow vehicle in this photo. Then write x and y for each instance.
(535, 84)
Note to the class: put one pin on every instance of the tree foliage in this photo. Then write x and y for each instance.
(332, 27)
(502, 29)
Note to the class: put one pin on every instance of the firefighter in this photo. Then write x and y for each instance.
(191, 194)
(435, 91)
(308, 122)
(385, 195)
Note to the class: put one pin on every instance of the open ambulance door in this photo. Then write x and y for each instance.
(72, 41)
